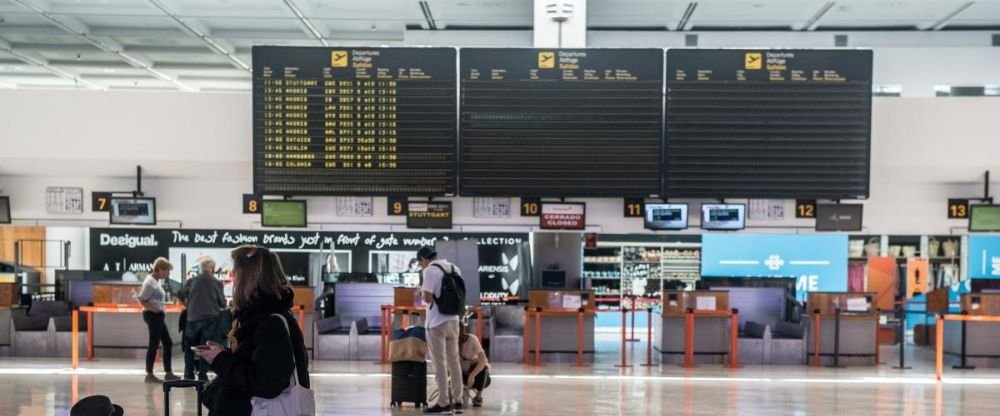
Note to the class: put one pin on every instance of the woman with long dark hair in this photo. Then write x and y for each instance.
(263, 352)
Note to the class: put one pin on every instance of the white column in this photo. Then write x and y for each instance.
(560, 23)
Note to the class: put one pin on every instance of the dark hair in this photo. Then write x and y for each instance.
(257, 273)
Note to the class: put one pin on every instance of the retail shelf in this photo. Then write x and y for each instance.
(682, 260)
(602, 262)
(641, 262)
(605, 278)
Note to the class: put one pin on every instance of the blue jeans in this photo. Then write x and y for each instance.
(198, 333)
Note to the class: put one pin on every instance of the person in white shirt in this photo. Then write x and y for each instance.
(152, 299)
(442, 334)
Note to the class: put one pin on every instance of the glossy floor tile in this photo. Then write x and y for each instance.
(49, 387)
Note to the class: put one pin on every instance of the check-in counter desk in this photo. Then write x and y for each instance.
(119, 331)
(711, 328)
(858, 332)
(354, 331)
(555, 314)
(981, 338)
(8, 298)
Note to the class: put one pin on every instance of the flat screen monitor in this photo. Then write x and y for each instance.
(283, 213)
(839, 217)
(723, 216)
(666, 216)
(133, 211)
(5, 210)
(984, 218)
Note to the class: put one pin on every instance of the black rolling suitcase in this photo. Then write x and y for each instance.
(198, 386)
(409, 383)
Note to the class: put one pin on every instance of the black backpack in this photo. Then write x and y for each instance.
(452, 300)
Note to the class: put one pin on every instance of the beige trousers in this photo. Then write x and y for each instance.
(443, 343)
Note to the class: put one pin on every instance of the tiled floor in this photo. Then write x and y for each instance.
(49, 387)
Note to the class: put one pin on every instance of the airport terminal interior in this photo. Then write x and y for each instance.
(698, 207)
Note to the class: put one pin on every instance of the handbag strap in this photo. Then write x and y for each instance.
(295, 364)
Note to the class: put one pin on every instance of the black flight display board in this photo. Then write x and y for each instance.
(768, 123)
(561, 122)
(354, 121)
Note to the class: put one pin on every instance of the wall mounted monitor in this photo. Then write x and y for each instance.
(666, 216)
(433, 214)
(839, 217)
(283, 213)
(354, 121)
(768, 123)
(726, 217)
(133, 211)
(5, 215)
(984, 218)
(561, 122)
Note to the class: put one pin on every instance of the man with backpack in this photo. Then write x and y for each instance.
(444, 292)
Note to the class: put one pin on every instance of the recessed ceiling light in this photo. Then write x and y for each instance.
(110, 70)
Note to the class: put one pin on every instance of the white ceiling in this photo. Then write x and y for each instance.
(204, 45)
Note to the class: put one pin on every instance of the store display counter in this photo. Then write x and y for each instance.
(711, 330)
(980, 338)
(553, 326)
(856, 341)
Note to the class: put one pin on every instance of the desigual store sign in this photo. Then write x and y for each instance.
(135, 249)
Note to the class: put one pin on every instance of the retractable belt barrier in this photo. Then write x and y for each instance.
(734, 323)
(537, 313)
(115, 308)
(817, 322)
(939, 334)
(649, 338)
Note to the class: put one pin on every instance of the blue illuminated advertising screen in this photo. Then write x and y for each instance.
(984, 257)
(817, 262)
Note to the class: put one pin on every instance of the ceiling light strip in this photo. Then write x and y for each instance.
(686, 18)
(44, 65)
(425, 8)
(813, 22)
(941, 24)
(305, 22)
(201, 36)
(103, 46)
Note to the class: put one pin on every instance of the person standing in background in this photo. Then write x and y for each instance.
(152, 299)
(442, 330)
(204, 299)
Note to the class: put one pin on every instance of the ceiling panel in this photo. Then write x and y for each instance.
(490, 13)
(149, 34)
(634, 13)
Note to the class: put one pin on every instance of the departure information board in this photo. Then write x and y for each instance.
(354, 121)
(768, 123)
(561, 122)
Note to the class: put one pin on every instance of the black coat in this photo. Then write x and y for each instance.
(262, 364)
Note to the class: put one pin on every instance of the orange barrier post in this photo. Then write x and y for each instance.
(878, 353)
(624, 363)
(302, 318)
(75, 347)
(527, 340)
(386, 330)
(649, 338)
(816, 326)
(90, 336)
(734, 339)
(538, 336)
(689, 339)
(939, 346)
(579, 338)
